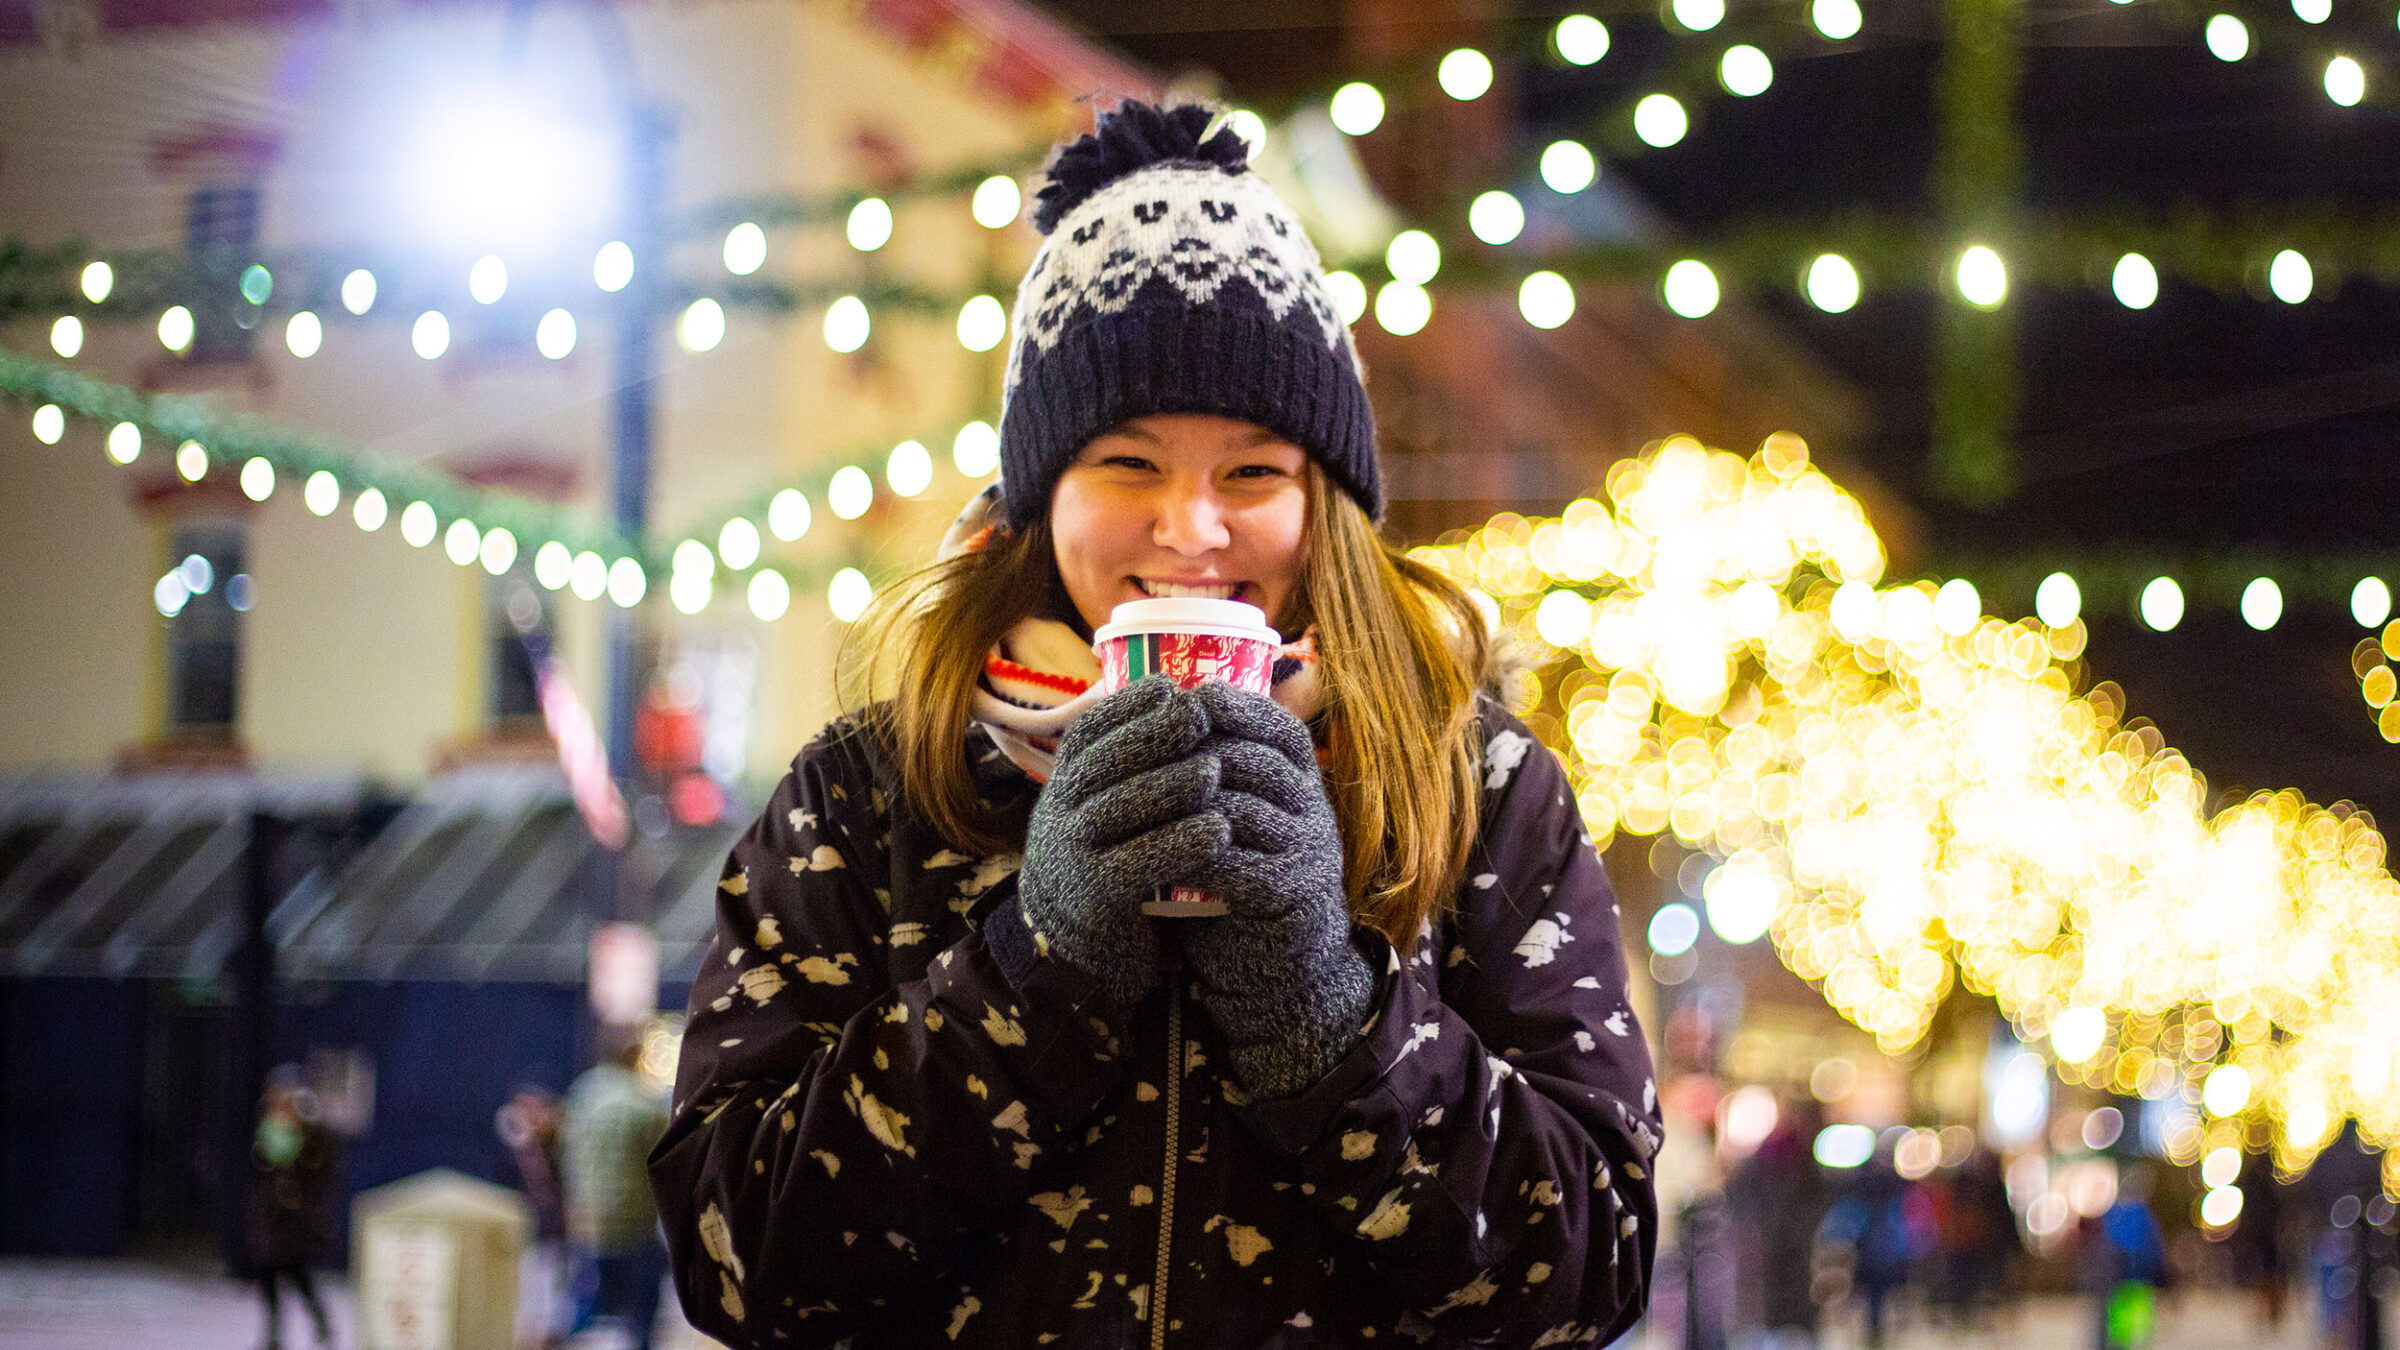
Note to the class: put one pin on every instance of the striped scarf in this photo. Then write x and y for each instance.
(1041, 675)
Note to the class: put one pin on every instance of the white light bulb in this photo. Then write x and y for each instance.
(1982, 277)
(358, 291)
(370, 510)
(1496, 218)
(2228, 38)
(125, 446)
(997, 201)
(462, 541)
(848, 594)
(689, 592)
(2076, 1035)
(554, 336)
(738, 543)
(553, 565)
(417, 525)
(191, 459)
(2313, 11)
(50, 426)
(304, 334)
(2370, 602)
(627, 583)
(2262, 603)
(1956, 607)
(870, 224)
(1403, 307)
(98, 280)
(982, 323)
(1698, 15)
(1581, 39)
(499, 551)
(175, 328)
(2290, 277)
(1546, 299)
(976, 449)
(1349, 295)
(770, 595)
(2058, 601)
(1837, 19)
(2135, 282)
(1690, 289)
(258, 479)
(850, 492)
(1252, 128)
(2345, 81)
(1413, 256)
(1356, 108)
(588, 576)
(612, 266)
(1745, 71)
(1832, 283)
(745, 249)
(66, 336)
(847, 324)
(1568, 167)
(909, 469)
(1660, 120)
(430, 336)
(487, 280)
(2161, 604)
(702, 326)
(788, 514)
(1466, 74)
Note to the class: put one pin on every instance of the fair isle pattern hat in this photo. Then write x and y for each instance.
(1172, 279)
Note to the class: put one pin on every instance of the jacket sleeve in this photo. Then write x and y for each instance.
(837, 1137)
(1488, 1143)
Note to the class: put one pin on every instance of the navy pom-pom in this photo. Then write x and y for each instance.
(1135, 136)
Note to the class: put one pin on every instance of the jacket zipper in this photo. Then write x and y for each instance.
(1174, 1135)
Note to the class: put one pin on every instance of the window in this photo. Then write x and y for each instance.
(518, 617)
(220, 232)
(204, 631)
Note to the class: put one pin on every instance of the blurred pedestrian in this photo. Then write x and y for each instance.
(291, 1173)
(1887, 1225)
(2127, 1265)
(1777, 1200)
(613, 1118)
(528, 1123)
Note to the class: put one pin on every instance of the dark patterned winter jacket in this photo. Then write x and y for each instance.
(878, 1141)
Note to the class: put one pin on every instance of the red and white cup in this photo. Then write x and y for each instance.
(1191, 641)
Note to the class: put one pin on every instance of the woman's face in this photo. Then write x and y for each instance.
(1181, 504)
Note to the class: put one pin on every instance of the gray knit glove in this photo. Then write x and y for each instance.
(1278, 972)
(1126, 811)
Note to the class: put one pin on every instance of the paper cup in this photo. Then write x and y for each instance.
(1190, 641)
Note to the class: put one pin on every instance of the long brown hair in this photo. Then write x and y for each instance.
(1401, 651)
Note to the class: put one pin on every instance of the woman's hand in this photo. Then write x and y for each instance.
(1127, 810)
(1278, 971)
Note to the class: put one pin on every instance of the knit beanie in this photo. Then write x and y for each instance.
(1172, 279)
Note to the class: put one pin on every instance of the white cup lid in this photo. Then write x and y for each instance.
(1187, 614)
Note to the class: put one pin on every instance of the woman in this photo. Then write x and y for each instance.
(943, 1083)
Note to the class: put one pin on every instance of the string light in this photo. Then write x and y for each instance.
(702, 326)
(870, 225)
(98, 280)
(554, 336)
(976, 449)
(848, 594)
(321, 493)
(1698, 15)
(2135, 282)
(50, 425)
(1403, 307)
(462, 541)
(2228, 38)
(2290, 277)
(487, 280)
(1496, 217)
(499, 550)
(787, 513)
(66, 336)
(2345, 81)
(612, 266)
(175, 328)
(358, 292)
(1413, 256)
(847, 324)
(2058, 601)
(2262, 603)
(1922, 808)
(430, 336)
(257, 479)
(1831, 283)
(125, 446)
(554, 565)
(2370, 602)
(1839, 20)
(587, 576)
(370, 510)
(982, 323)
(910, 468)
(997, 202)
(1356, 108)
(770, 595)
(1745, 71)
(627, 583)
(1568, 167)
(191, 458)
(1982, 277)
(850, 492)
(1660, 120)
(2161, 604)
(304, 334)
(1581, 39)
(417, 524)
(1546, 300)
(1252, 128)
(2313, 11)
(738, 544)
(1466, 74)
(745, 249)
(1690, 289)
(1348, 293)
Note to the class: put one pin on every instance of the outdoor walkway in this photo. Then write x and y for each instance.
(125, 1305)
